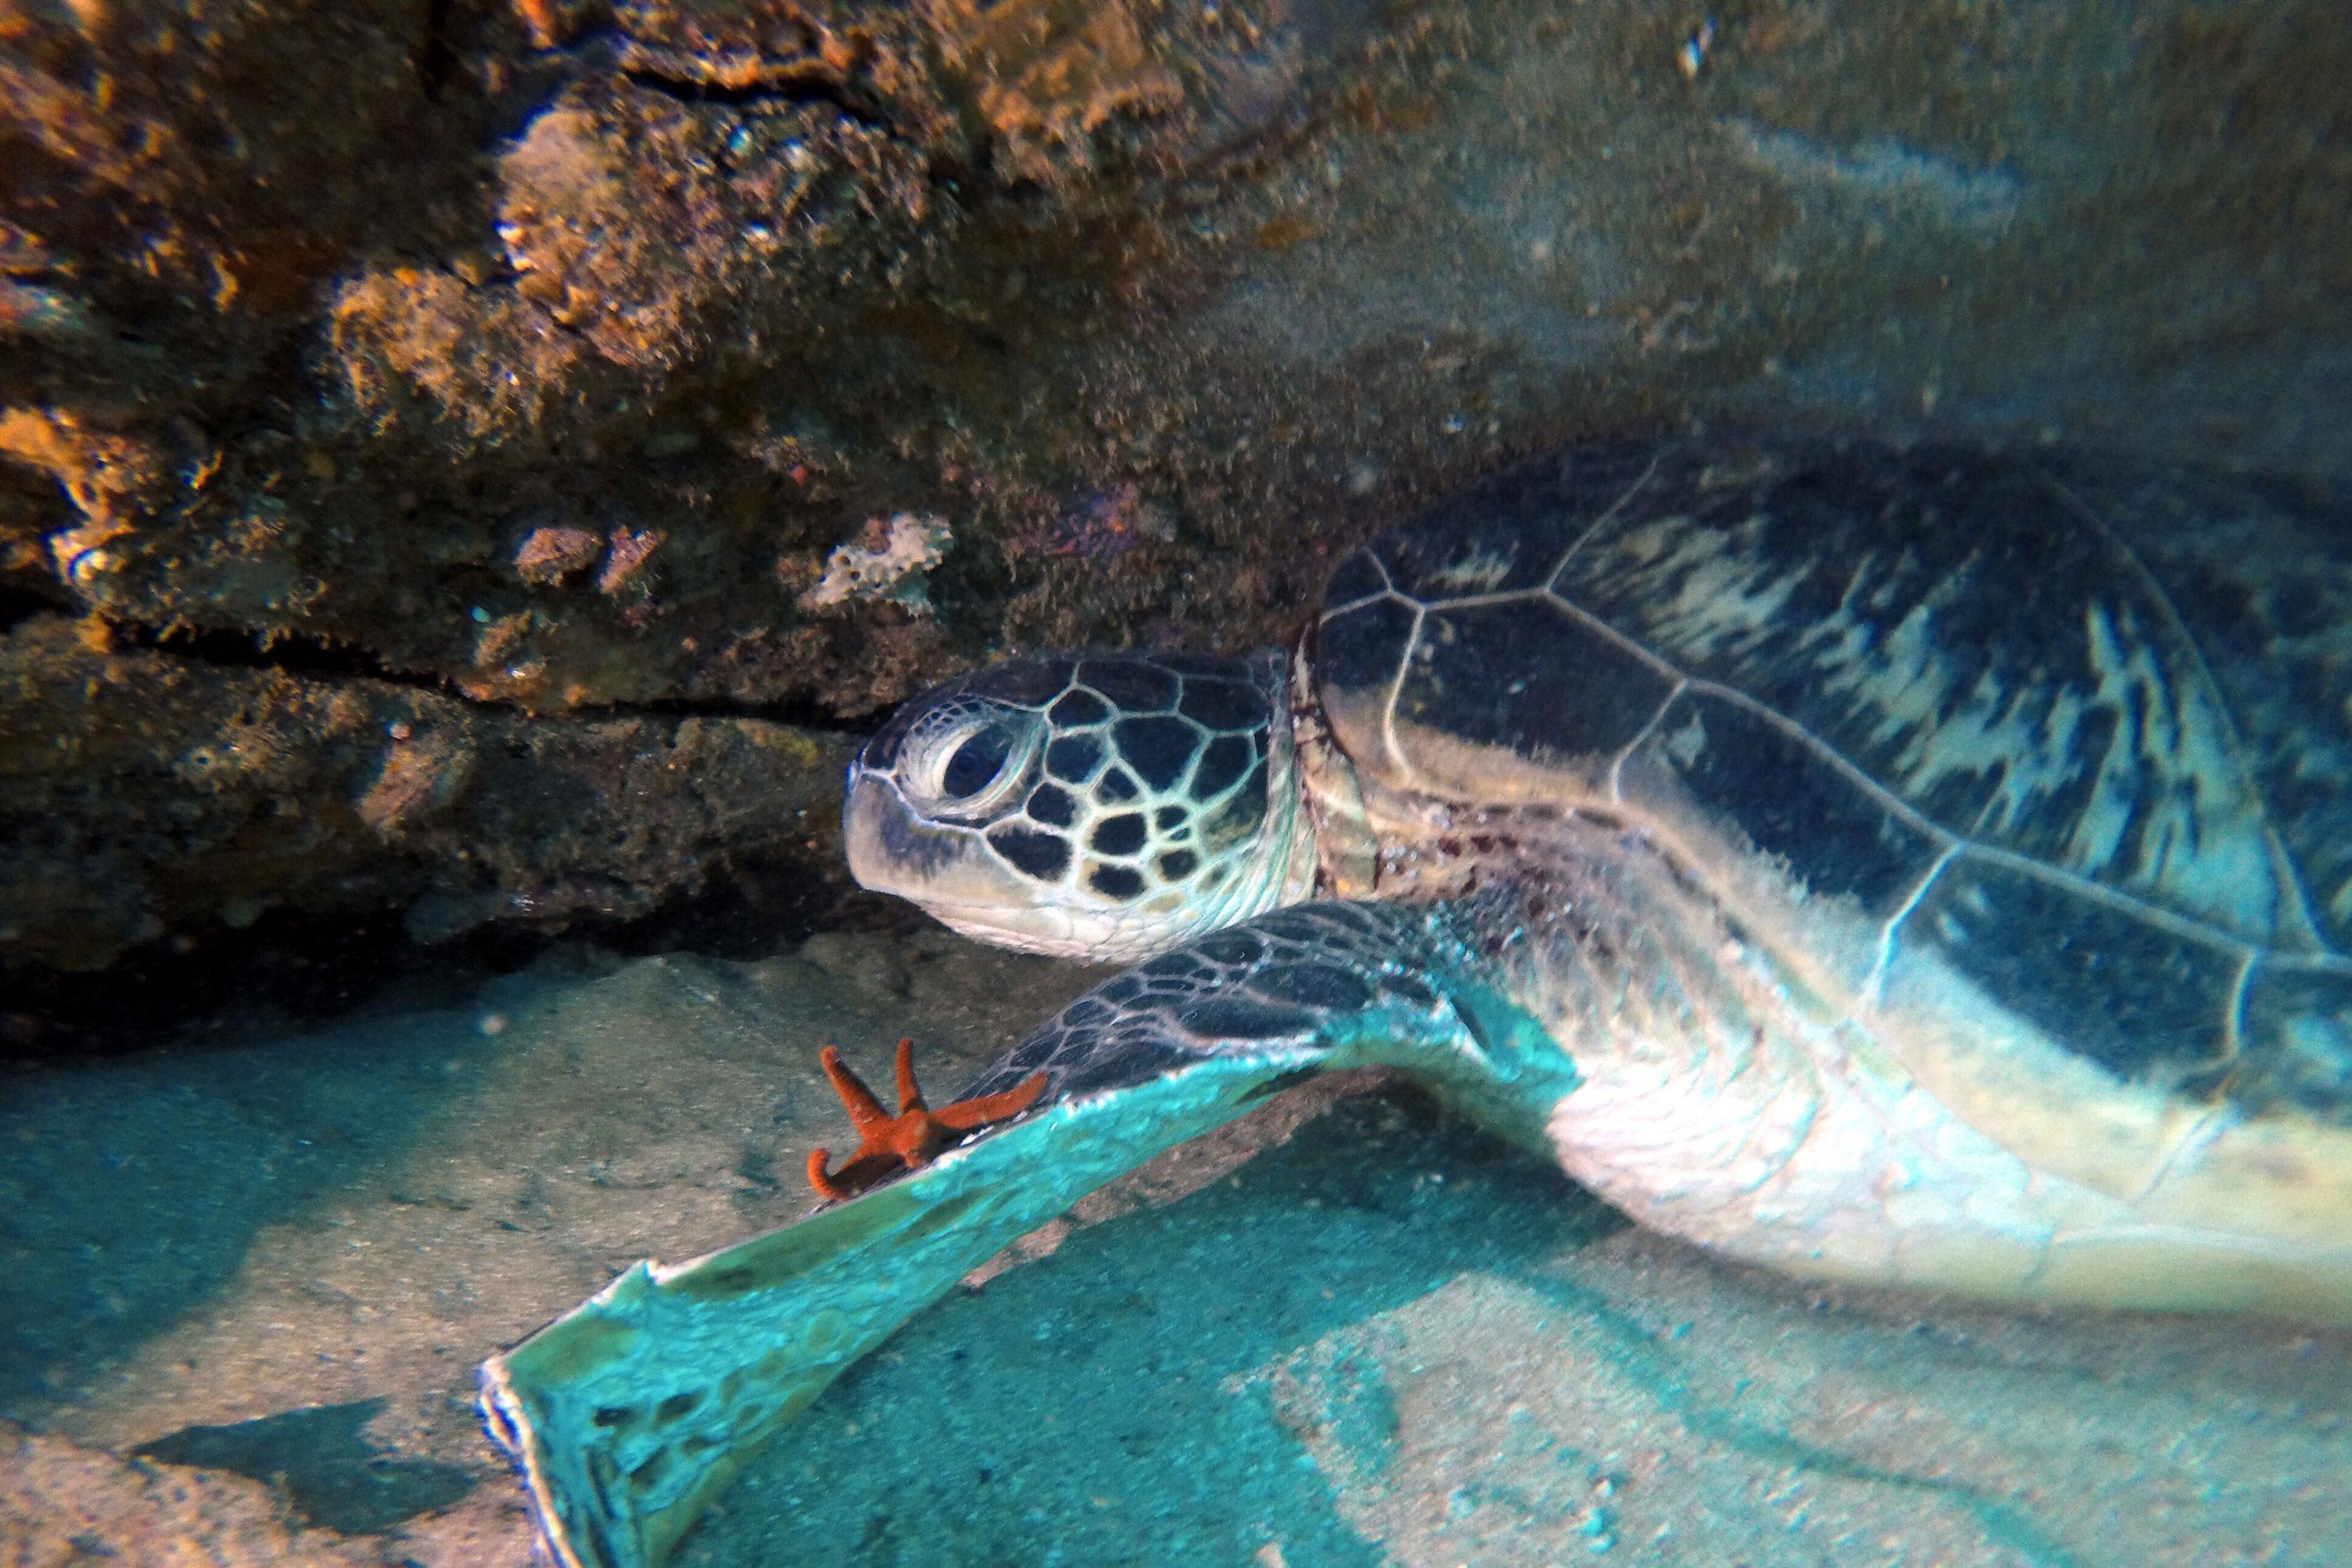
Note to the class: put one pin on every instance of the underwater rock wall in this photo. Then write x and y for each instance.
(518, 373)
(143, 794)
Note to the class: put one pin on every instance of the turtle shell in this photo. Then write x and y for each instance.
(2077, 733)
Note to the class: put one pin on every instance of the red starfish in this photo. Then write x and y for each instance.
(887, 1143)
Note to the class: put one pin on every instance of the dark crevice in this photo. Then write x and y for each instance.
(295, 967)
(437, 54)
(20, 603)
(296, 654)
(289, 653)
(290, 966)
(314, 658)
(811, 87)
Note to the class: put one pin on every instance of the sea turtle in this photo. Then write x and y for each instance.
(1909, 866)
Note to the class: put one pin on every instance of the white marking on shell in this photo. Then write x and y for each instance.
(2170, 815)
(1478, 571)
(2300, 927)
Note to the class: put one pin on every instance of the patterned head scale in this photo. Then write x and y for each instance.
(1098, 805)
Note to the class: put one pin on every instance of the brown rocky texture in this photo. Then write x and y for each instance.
(543, 354)
(254, 787)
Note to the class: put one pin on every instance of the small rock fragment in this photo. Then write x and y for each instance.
(551, 554)
(628, 553)
(417, 776)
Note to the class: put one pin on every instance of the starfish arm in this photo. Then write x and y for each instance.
(966, 1114)
(855, 1098)
(910, 1097)
(817, 1178)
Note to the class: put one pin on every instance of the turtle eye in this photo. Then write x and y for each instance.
(969, 766)
(975, 762)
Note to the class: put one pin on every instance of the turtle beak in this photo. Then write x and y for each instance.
(890, 849)
(944, 868)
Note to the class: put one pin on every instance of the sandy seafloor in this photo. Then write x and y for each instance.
(243, 1290)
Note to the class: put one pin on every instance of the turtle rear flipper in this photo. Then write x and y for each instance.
(629, 1415)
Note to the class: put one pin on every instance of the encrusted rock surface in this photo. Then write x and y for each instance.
(543, 355)
(254, 787)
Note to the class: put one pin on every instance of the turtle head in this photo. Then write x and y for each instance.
(1105, 806)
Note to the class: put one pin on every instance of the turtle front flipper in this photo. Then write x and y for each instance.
(628, 1415)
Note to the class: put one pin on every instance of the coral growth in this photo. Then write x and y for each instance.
(887, 560)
